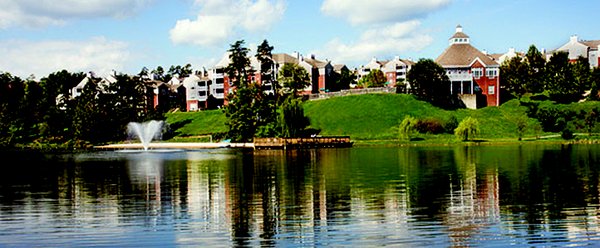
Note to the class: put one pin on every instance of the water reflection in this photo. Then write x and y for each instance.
(449, 196)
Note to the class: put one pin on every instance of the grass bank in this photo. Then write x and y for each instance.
(373, 119)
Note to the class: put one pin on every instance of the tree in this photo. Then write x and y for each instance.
(58, 113)
(12, 97)
(561, 83)
(267, 106)
(407, 128)
(467, 128)
(429, 82)
(342, 79)
(582, 73)
(179, 71)
(594, 85)
(293, 120)
(159, 73)
(375, 78)
(242, 111)
(536, 64)
(239, 64)
(514, 76)
(521, 122)
(293, 77)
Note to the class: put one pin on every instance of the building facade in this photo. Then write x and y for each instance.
(473, 75)
(586, 49)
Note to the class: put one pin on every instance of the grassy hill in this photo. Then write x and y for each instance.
(376, 116)
(370, 117)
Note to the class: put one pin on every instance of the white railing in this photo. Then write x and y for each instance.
(460, 76)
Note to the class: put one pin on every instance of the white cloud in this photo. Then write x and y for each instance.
(382, 41)
(218, 20)
(380, 11)
(23, 58)
(37, 13)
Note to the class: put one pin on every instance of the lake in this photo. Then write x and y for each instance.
(534, 195)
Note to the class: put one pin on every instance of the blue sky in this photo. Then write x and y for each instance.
(43, 36)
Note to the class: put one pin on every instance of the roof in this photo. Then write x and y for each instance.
(316, 63)
(284, 58)
(408, 62)
(591, 43)
(339, 67)
(462, 55)
(459, 35)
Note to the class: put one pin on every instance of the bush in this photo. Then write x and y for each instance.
(430, 125)
(567, 133)
(450, 124)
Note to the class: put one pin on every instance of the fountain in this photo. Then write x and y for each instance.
(146, 131)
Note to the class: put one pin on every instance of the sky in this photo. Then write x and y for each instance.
(39, 37)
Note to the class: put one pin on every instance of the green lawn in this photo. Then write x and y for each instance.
(374, 118)
(191, 124)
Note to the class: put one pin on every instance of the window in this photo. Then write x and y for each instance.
(491, 72)
(202, 93)
(491, 90)
(219, 81)
(477, 72)
(201, 83)
(220, 91)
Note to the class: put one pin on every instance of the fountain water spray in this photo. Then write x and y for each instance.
(146, 131)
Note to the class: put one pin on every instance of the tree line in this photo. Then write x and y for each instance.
(558, 79)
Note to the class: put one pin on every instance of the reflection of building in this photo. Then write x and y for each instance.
(474, 201)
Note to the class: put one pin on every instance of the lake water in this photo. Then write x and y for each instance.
(537, 195)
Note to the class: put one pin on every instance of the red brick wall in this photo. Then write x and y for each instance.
(484, 83)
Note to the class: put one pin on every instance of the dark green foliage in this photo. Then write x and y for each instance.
(514, 76)
(536, 67)
(244, 108)
(450, 124)
(429, 82)
(293, 120)
(341, 80)
(561, 83)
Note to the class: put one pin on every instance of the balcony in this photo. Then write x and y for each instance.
(460, 76)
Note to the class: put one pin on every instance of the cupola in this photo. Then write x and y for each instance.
(459, 37)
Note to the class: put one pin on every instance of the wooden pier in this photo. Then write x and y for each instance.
(259, 144)
(302, 143)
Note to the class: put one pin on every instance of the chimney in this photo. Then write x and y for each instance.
(573, 38)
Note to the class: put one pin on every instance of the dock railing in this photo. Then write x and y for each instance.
(309, 142)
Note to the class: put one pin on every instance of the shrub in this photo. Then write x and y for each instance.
(430, 125)
(450, 124)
